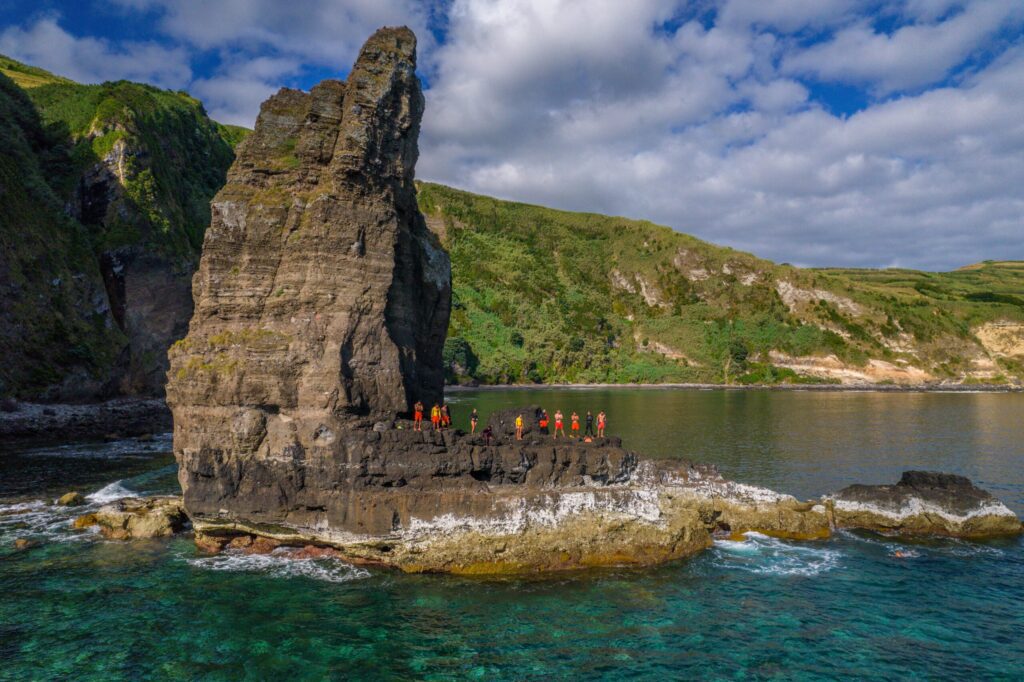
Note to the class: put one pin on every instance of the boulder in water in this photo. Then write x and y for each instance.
(138, 518)
(924, 503)
(72, 499)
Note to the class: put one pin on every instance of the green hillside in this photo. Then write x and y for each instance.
(130, 170)
(552, 296)
(54, 322)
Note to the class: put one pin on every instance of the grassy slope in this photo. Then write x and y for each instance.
(176, 158)
(552, 296)
(50, 326)
(172, 159)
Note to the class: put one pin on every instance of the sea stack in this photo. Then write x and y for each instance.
(321, 308)
(321, 293)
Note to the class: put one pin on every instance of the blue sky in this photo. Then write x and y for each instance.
(824, 132)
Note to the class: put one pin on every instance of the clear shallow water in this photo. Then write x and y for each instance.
(83, 608)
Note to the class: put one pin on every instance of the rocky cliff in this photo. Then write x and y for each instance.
(321, 298)
(131, 170)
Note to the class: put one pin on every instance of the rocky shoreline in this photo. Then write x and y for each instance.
(447, 502)
(36, 423)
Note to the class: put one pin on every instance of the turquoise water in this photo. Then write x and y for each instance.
(78, 607)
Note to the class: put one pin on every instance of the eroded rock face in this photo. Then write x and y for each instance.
(321, 296)
(924, 503)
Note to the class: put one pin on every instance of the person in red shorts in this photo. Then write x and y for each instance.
(602, 419)
(435, 416)
(417, 416)
(575, 423)
(559, 423)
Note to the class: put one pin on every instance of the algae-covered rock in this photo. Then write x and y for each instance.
(72, 499)
(924, 503)
(137, 518)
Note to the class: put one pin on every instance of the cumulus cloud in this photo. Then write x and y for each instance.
(296, 35)
(323, 32)
(712, 130)
(711, 116)
(90, 60)
(913, 56)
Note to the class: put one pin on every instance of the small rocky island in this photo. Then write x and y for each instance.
(321, 306)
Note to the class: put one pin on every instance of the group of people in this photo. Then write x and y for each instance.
(574, 424)
(440, 416)
(544, 422)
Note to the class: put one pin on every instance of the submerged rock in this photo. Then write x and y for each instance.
(924, 503)
(137, 518)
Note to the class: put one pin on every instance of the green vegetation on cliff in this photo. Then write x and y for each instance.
(167, 156)
(54, 321)
(552, 296)
(117, 180)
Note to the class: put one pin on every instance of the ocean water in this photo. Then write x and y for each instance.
(78, 607)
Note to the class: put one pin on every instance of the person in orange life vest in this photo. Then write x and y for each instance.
(559, 423)
(435, 416)
(602, 419)
(417, 416)
(543, 422)
(519, 427)
(575, 423)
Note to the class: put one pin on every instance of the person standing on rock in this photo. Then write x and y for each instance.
(590, 425)
(473, 419)
(602, 419)
(559, 423)
(575, 424)
(417, 416)
(543, 422)
(446, 416)
(435, 416)
(519, 427)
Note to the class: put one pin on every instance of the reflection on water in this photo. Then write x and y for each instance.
(803, 442)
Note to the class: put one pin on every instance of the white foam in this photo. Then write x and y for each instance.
(519, 514)
(280, 565)
(915, 506)
(37, 519)
(765, 555)
(110, 493)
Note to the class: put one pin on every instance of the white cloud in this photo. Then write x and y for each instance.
(712, 128)
(913, 56)
(90, 60)
(704, 132)
(323, 32)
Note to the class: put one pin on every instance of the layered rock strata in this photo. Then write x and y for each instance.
(447, 501)
(924, 503)
(321, 297)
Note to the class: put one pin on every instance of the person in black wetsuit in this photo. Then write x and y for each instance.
(590, 425)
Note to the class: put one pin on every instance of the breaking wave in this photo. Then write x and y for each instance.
(764, 555)
(111, 492)
(280, 565)
(38, 520)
